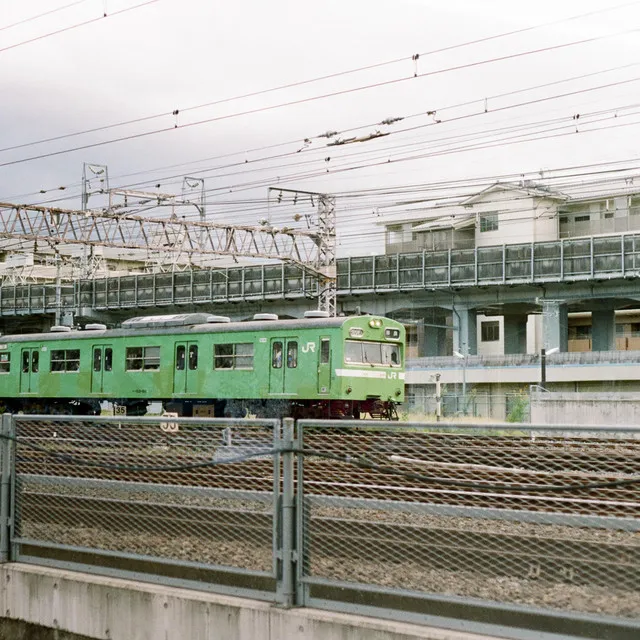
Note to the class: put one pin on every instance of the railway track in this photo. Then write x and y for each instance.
(344, 479)
(520, 555)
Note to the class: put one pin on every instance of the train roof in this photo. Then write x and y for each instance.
(187, 323)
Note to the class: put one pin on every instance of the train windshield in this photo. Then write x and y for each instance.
(373, 353)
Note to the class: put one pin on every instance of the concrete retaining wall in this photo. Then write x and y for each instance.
(50, 604)
(582, 408)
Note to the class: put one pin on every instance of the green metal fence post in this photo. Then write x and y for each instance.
(5, 484)
(288, 551)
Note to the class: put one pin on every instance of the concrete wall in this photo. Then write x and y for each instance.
(615, 409)
(41, 603)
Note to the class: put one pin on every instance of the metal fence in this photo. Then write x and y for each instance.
(472, 523)
(571, 260)
(501, 530)
(475, 404)
(147, 498)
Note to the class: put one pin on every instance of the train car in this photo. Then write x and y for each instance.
(197, 364)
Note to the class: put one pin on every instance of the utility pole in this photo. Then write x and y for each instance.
(325, 262)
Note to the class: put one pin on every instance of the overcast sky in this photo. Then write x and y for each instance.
(144, 63)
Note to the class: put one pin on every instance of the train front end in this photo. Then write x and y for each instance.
(369, 372)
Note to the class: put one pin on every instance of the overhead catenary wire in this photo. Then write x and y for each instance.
(410, 129)
(172, 112)
(77, 25)
(317, 97)
(42, 15)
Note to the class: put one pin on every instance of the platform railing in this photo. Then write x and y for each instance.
(570, 260)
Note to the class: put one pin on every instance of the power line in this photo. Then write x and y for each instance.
(440, 110)
(42, 15)
(77, 25)
(326, 77)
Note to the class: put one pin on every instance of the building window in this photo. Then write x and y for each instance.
(490, 331)
(65, 360)
(489, 222)
(5, 362)
(233, 356)
(395, 234)
(580, 332)
(143, 358)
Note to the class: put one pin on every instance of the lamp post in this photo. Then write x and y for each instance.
(457, 354)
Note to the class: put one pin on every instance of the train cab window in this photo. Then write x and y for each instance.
(97, 359)
(180, 357)
(193, 357)
(276, 355)
(5, 362)
(352, 351)
(62, 360)
(25, 361)
(391, 355)
(35, 361)
(143, 358)
(324, 351)
(371, 352)
(292, 355)
(108, 359)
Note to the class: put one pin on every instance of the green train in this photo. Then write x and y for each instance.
(201, 365)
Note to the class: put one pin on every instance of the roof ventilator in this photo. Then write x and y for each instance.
(95, 326)
(265, 316)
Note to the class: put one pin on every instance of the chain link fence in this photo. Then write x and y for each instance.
(456, 525)
(455, 514)
(150, 496)
(422, 405)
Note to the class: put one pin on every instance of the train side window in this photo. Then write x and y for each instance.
(35, 360)
(108, 359)
(223, 356)
(97, 359)
(292, 355)
(25, 362)
(276, 355)
(66, 360)
(143, 358)
(5, 362)
(233, 356)
(324, 351)
(180, 359)
(193, 357)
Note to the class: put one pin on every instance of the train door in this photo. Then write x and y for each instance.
(324, 366)
(102, 369)
(283, 367)
(29, 370)
(185, 366)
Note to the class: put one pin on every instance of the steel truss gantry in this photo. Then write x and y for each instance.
(184, 238)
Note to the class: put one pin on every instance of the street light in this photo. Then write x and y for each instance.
(543, 363)
(457, 354)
